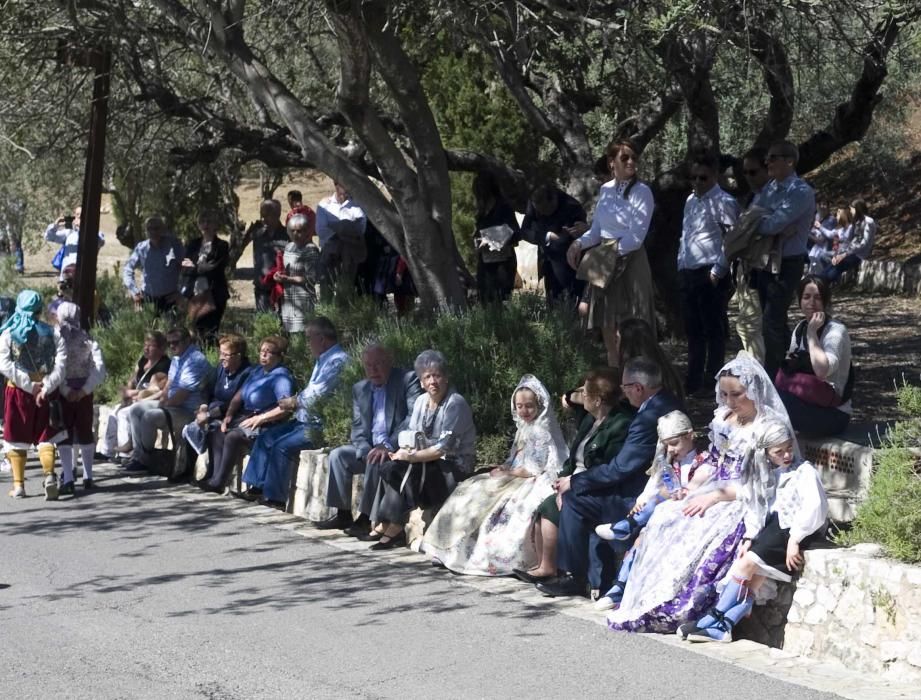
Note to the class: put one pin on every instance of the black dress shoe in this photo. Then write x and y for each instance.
(359, 527)
(368, 536)
(252, 495)
(277, 505)
(523, 575)
(563, 586)
(340, 521)
(398, 540)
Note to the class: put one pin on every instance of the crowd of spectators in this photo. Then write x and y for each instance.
(628, 512)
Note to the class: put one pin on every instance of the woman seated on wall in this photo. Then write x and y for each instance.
(602, 432)
(816, 379)
(484, 528)
(147, 382)
(436, 453)
(253, 406)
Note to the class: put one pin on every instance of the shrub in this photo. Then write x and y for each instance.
(891, 513)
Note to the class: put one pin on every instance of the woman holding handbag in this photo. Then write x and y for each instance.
(204, 281)
(620, 281)
(816, 379)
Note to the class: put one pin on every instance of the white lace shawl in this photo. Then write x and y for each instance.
(539, 446)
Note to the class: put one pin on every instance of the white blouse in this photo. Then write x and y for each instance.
(800, 501)
(626, 219)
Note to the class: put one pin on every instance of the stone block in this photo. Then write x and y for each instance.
(869, 549)
(826, 597)
(798, 641)
(914, 656)
(309, 498)
(892, 651)
(804, 597)
(869, 636)
(815, 615)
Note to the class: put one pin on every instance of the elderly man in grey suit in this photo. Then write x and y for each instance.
(381, 406)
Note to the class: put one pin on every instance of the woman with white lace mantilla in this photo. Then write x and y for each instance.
(484, 527)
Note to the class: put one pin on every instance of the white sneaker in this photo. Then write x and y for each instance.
(51, 488)
(605, 532)
(603, 604)
(18, 492)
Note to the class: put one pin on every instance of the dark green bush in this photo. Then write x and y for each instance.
(891, 513)
(487, 348)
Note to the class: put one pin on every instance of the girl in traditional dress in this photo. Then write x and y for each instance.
(32, 358)
(689, 545)
(786, 509)
(484, 527)
(85, 370)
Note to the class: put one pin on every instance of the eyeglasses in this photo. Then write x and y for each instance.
(629, 384)
(627, 157)
(700, 178)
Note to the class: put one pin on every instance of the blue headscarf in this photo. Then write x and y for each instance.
(23, 320)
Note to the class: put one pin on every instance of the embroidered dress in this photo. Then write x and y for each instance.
(679, 560)
(300, 299)
(484, 528)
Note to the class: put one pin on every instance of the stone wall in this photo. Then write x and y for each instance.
(857, 607)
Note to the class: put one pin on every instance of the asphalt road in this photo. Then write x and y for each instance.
(134, 591)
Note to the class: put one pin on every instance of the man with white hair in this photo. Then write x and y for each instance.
(382, 403)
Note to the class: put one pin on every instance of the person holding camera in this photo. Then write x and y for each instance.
(66, 231)
(816, 379)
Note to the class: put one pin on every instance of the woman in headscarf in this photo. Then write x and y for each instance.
(33, 359)
(484, 527)
(688, 545)
(85, 370)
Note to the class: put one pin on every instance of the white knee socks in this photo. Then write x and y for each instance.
(66, 453)
(86, 457)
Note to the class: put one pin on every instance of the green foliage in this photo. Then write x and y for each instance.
(891, 513)
(120, 342)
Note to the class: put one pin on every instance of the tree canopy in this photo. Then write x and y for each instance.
(392, 98)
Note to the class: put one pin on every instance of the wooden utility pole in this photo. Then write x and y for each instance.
(100, 60)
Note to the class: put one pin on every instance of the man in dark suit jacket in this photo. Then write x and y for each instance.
(381, 406)
(606, 493)
(548, 222)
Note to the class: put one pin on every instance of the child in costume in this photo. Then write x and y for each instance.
(677, 470)
(786, 509)
(33, 360)
(85, 370)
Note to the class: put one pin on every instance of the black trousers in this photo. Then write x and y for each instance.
(776, 292)
(706, 324)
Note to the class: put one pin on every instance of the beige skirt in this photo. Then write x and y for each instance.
(629, 296)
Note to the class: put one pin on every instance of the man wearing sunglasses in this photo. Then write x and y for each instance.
(790, 202)
(703, 273)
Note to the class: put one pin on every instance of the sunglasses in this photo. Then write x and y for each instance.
(752, 172)
(771, 157)
(700, 178)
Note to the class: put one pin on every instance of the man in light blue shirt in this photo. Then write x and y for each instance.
(159, 258)
(188, 376)
(277, 449)
(703, 272)
(791, 212)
